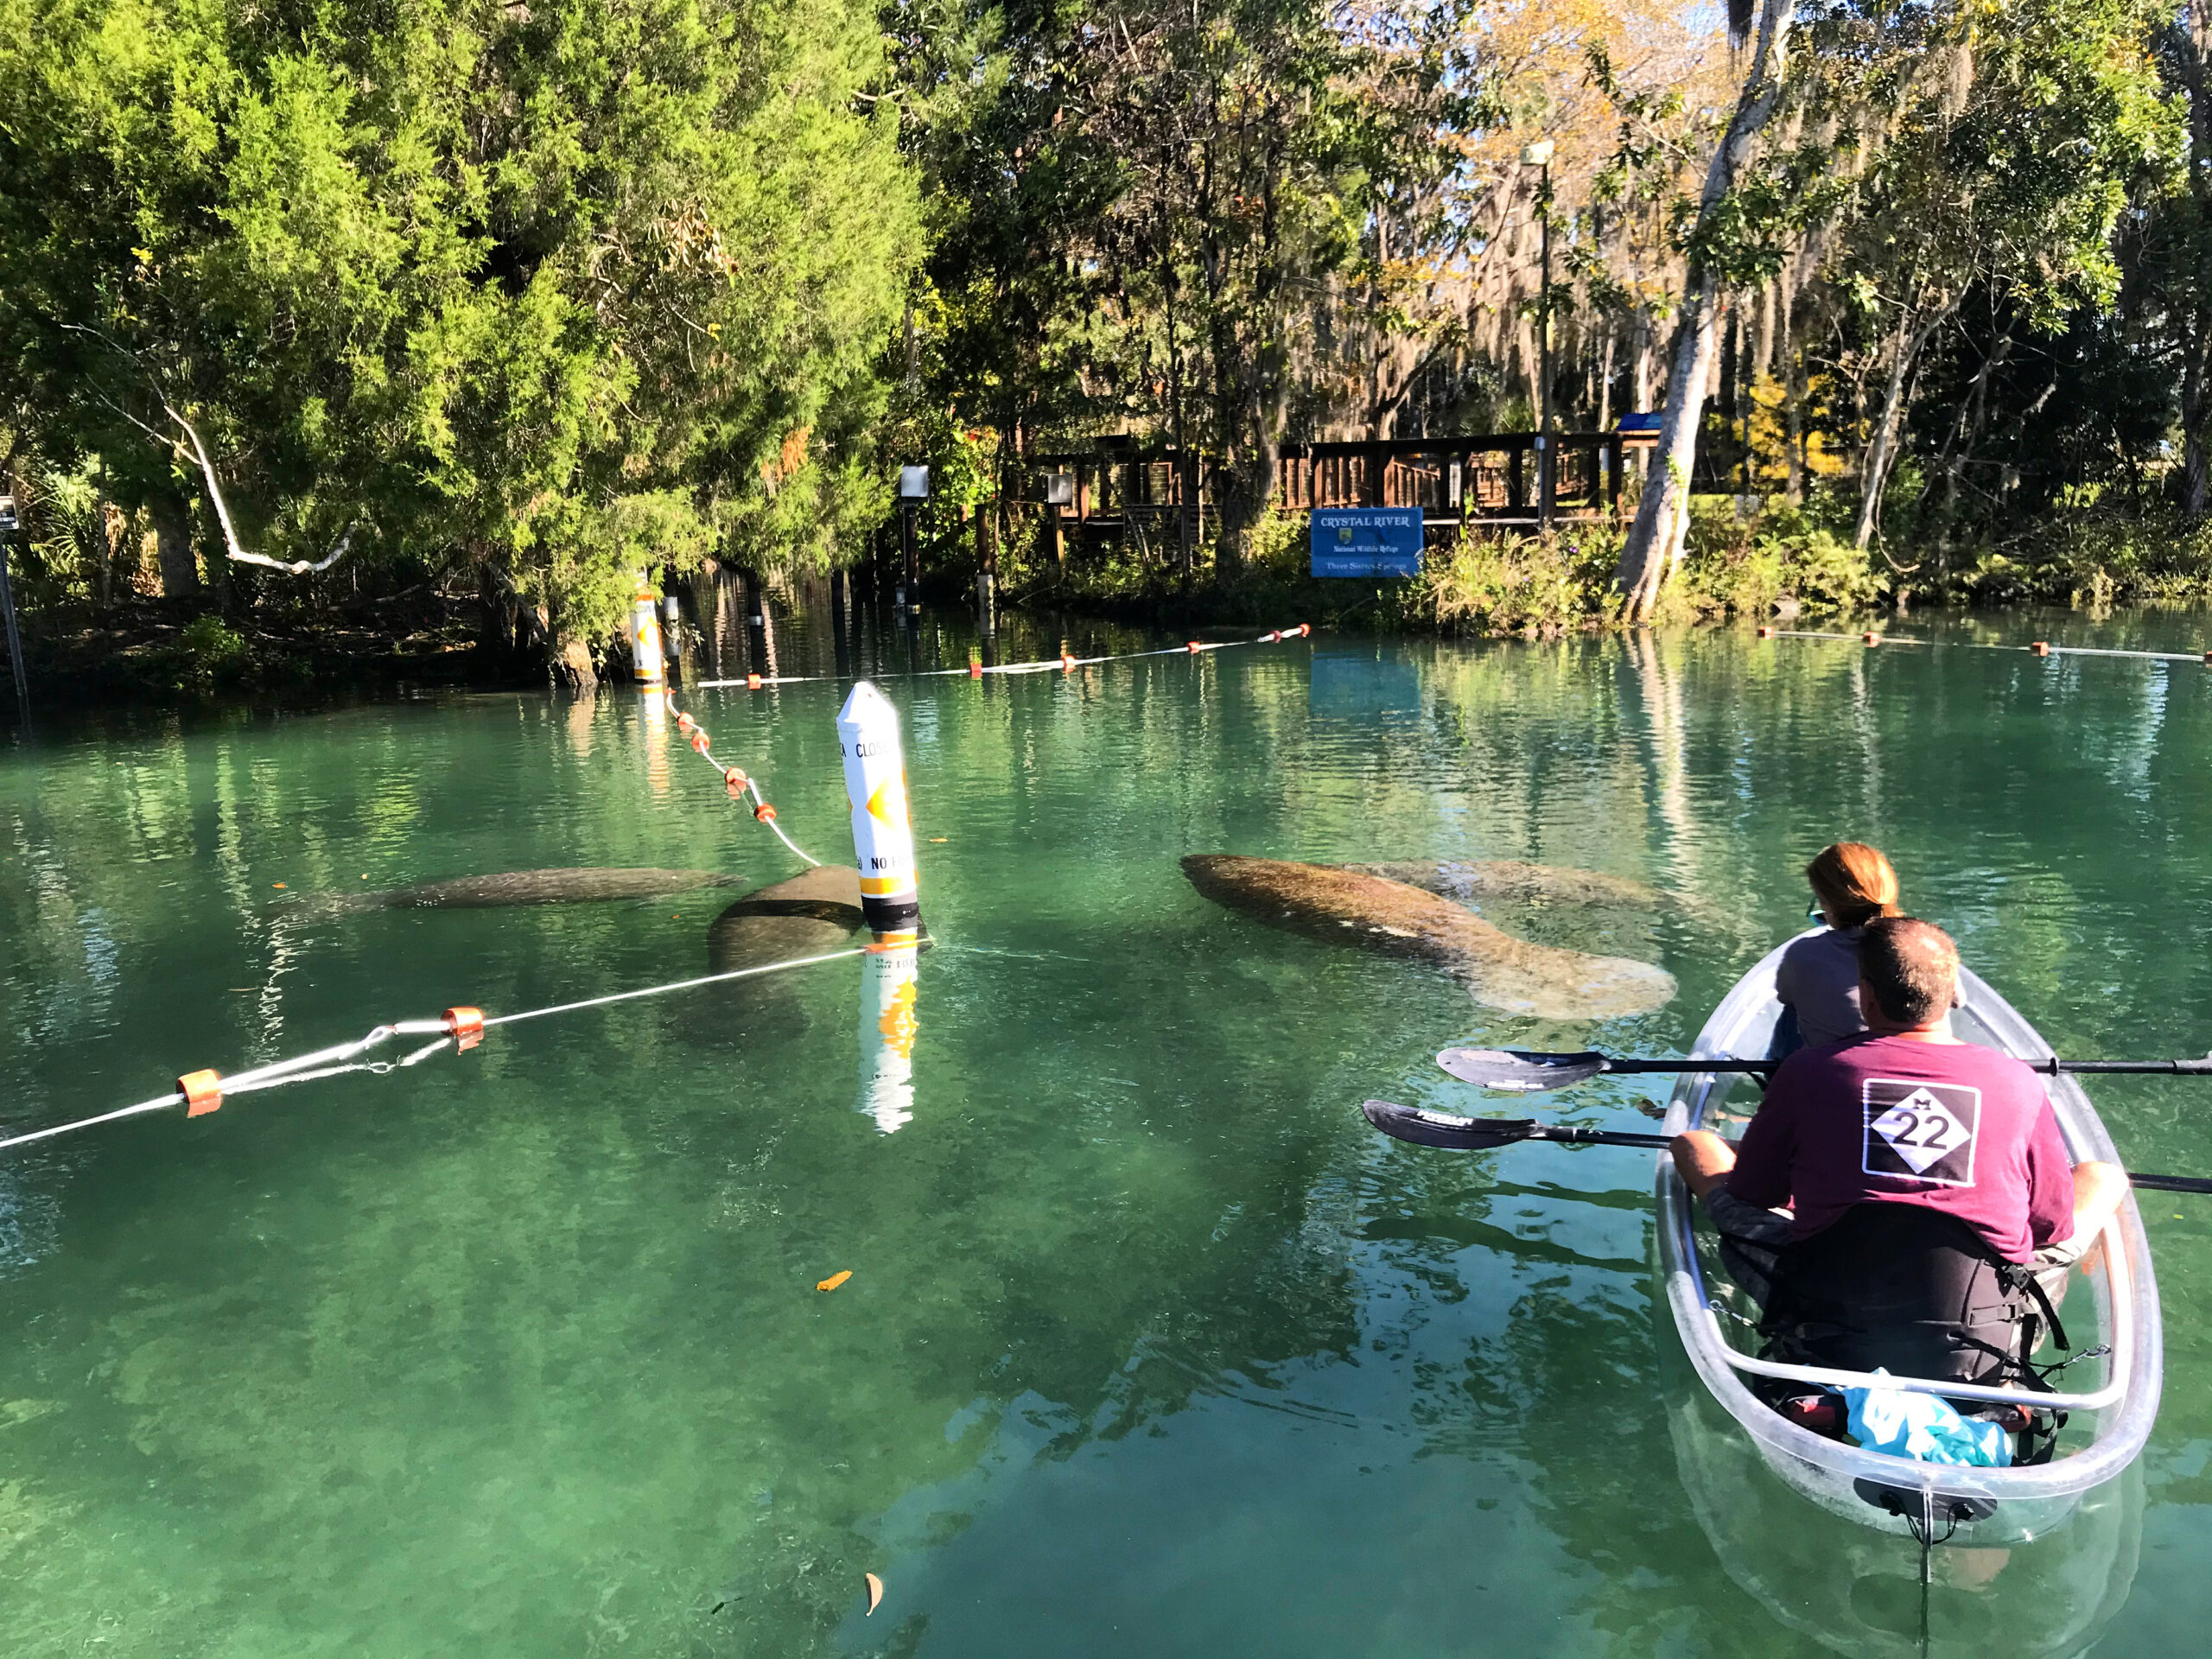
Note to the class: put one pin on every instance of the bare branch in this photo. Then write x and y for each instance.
(199, 453)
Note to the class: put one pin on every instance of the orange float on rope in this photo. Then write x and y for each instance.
(202, 1092)
(1067, 663)
(466, 1024)
(765, 812)
(1870, 639)
(699, 739)
(975, 670)
(1305, 630)
(684, 723)
(1193, 647)
(2041, 648)
(1766, 634)
(753, 682)
(734, 777)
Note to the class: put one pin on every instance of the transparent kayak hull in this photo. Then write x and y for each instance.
(1855, 1591)
(2111, 1402)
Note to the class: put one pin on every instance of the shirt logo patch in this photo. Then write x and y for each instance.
(1920, 1131)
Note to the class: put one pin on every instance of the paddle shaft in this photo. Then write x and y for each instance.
(2050, 1066)
(1507, 1132)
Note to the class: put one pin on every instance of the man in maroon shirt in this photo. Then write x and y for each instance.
(1904, 1112)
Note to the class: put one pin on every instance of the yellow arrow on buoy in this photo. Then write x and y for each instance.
(888, 803)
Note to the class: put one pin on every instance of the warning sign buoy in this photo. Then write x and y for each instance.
(883, 836)
(651, 659)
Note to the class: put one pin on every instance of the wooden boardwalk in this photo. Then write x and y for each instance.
(1479, 480)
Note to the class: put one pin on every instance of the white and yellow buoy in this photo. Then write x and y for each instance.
(883, 834)
(883, 847)
(649, 655)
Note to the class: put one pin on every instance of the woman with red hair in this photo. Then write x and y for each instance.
(1818, 980)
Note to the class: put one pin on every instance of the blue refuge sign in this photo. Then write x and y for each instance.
(1366, 540)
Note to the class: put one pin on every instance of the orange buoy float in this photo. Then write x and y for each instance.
(202, 1092)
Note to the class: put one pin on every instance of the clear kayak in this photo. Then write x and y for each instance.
(1855, 1591)
(2111, 1398)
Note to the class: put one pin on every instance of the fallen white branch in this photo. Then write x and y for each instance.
(198, 454)
(296, 567)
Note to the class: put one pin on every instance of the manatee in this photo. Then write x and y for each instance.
(1348, 907)
(803, 917)
(810, 915)
(1465, 881)
(524, 888)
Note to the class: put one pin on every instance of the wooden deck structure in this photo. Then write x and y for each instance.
(1161, 497)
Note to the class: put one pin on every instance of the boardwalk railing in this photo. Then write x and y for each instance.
(1161, 499)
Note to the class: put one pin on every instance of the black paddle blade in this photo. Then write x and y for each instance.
(1517, 1072)
(1426, 1128)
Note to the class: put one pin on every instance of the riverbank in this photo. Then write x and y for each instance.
(1745, 557)
(1745, 560)
(158, 650)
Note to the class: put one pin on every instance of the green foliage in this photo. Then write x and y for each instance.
(208, 653)
(1738, 563)
(2096, 557)
(1494, 584)
(561, 290)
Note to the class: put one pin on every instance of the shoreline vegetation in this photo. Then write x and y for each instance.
(412, 341)
(1744, 560)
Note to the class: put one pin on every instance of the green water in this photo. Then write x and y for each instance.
(1151, 1347)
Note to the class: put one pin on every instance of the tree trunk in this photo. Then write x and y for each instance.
(1874, 472)
(2195, 471)
(1606, 384)
(2195, 33)
(115, 536)
(1966, 434)
(173, 545)
(572, 666)
(1793, 411)
(1661, 513)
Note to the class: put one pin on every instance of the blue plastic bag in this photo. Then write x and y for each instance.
(1924, 1427)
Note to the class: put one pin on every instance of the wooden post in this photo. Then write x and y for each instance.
(1516, 496)
(1614, 450)
(15, 638)
(1377, 469)
(1186, 506)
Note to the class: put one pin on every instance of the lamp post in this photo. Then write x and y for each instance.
(1539, 154)
(913, 495)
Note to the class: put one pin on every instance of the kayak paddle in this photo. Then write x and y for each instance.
(1523, 1071)
(1424, 1128)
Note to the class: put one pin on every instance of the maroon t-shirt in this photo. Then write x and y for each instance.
(1956, 1127)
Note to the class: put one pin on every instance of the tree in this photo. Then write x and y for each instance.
(1663, 511)
(562, 291)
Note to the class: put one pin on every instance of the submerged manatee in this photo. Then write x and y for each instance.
(1396, 920)
(524, 887)
(803, 917)
(1464, 880)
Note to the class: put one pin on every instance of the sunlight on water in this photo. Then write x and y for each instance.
(1150, 1345)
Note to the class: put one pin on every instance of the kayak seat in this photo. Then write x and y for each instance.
(1904, 1288)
